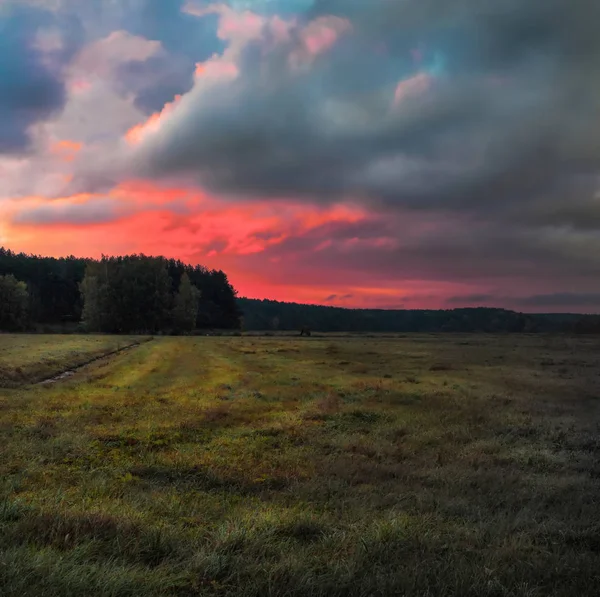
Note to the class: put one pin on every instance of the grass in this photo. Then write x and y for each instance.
(251, 466)
(30, 359)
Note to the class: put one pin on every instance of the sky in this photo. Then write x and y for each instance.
(359, 153)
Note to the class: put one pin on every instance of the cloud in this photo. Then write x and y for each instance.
(501, 108)
(89, 212)
(338, 298)
(382, 152)
(561, 299)
(32, 54)
(470, 300)
(134, 66)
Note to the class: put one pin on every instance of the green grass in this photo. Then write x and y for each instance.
(26, 358)
(252, 466)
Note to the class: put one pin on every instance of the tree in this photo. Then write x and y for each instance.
(52, 284)
(93, 290)
(185, 310)
(133, 293)
(127, 294)
(14, 300)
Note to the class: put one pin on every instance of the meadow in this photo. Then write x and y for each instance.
(417, 465)
(30, 359)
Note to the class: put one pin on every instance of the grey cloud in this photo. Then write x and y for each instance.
(180, 33)
(185, 40)
(31, 81)
(496, 168)
(469, 253)
(470, 299)
(561, 299)
(92, 212)
(512, 118)
(156, 80)
(341, 297)
(504, 144)
(279, 7)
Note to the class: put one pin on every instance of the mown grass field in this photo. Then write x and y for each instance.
(248, 466)
(25, 358)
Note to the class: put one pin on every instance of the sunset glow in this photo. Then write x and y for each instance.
(343, 153)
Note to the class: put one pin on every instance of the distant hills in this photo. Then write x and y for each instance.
(275, 315)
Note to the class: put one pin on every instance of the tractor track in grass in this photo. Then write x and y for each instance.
(67, 373)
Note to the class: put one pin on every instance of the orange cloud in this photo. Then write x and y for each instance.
(139, 132)
(263, 246)
(250, 241)
(179, 218)
(216, 68)
(66, 149)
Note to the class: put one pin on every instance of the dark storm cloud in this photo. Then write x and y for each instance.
(33, 49)
(512, 115)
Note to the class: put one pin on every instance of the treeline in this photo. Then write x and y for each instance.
(136, 293)
(129, 294)
(274, 315)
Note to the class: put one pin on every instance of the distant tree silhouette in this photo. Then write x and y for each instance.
(130, 293)
(259, 314)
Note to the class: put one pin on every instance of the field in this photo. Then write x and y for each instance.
(336, 466)
(36, 358)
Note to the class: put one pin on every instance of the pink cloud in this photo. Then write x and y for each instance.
(318, 37)
(322, 33)
(99, 58)
(234, 26)
(177, 218)
(244, 25)
(216, 68)
(78, 86)
(410, 87)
